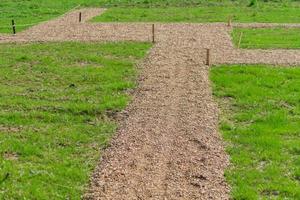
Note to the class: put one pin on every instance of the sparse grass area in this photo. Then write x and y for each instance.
(55, 104)
(267, 38)
(260, 121)
(240, 13)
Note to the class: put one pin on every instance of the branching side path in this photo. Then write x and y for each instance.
(168, 147)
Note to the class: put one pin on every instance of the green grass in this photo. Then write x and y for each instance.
(191, 3)
(267, 38)
(260, 121)
(168, 3)
(33, 12)
(266, 13)
(55, 106)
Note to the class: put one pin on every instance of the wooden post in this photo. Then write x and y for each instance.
(13, 26)
(229, 21)
(153, 34)
(240, 39)
(80, 17)
(208, 57)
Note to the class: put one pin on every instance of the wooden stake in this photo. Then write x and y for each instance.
(153, 34)
(208, 57)
(13, 26)
(80, 17)
(240, 39)
(229, 21)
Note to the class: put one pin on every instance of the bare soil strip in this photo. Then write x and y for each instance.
(168, 146)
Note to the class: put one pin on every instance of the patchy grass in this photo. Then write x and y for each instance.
(55, 103)
(240, 13)
(260, 121)
(267, 38)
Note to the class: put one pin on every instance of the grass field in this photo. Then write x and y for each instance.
(55, 103)
(33, 12)
(268, 13)
(170, 3)
(260, 121)
(267, 38)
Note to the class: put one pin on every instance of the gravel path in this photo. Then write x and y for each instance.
(167, 146)
(68, 28)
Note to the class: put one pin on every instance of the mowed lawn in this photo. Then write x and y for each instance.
(57, 101)
(259, 119)
(267, 38)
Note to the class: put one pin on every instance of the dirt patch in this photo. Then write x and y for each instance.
(10, 129)
(10, 156)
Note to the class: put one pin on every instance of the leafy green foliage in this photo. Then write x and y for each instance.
(260, 121)
(267, 38)
(55, 106)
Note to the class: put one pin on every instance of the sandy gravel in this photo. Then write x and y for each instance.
(168, 145)
(68, 28)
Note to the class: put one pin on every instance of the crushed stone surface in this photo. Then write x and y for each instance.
(168, 145)
(68, 28)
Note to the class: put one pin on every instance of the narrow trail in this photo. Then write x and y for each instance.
(168, 146)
